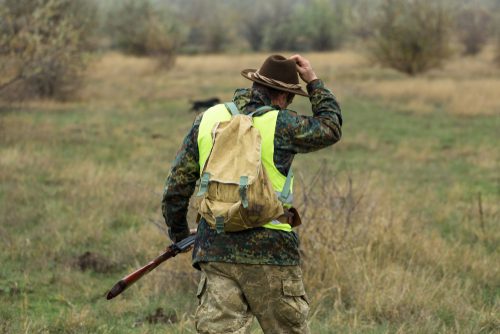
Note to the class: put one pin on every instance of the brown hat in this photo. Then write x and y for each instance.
(277, 72)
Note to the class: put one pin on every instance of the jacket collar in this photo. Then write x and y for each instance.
(248, 100)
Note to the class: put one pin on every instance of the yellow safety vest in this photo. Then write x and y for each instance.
(266, 124)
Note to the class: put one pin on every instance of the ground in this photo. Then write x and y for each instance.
(401, 218)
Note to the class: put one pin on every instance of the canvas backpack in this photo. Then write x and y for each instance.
(237, 193)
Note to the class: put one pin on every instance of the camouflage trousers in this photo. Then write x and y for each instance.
(230, 295)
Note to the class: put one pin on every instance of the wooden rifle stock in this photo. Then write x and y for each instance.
(130, 279)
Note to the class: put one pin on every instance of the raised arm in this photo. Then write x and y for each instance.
(180, 185)
(323, 128)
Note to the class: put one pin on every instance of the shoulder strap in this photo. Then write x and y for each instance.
(285, 193)
(263, 108)
(232, 108)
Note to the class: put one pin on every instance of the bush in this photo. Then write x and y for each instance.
(42, 46)
(322, 24)
(411, 36)
(473, 26)
(360, 12)
(315, 25)
(282, 29)
(497, 56)
(254, 23)
(140, 28)
(497, 35)
(212, 26)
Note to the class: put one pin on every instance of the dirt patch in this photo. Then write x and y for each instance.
(95, 262)
(160, 317)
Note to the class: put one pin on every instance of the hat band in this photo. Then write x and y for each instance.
(259, 76)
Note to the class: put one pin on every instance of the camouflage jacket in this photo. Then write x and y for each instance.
(294, 134)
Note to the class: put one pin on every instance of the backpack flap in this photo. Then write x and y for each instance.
(235, 152)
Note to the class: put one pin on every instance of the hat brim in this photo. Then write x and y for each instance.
(248, 73)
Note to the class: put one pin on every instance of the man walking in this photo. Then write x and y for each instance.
(254, 272)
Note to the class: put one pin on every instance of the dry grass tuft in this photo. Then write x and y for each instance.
(465, 86)
(458, 96)
(370, 261)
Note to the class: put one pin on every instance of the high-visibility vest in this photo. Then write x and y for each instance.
(266, 124)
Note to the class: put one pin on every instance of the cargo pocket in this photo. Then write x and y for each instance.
(201, 311)
(294, 305)
(202, 286)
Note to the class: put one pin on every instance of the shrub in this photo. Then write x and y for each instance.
(142, 29)
(255, 22)
(497, 56)
(361, 12)
(213, 26)
(282, 33)
(411, 36)
(322, 24)
(473, 26)
(42, 45)
(315, 25)
(497, 35)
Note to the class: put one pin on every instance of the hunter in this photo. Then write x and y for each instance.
(255, 272)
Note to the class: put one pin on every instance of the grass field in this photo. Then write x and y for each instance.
(401, 226)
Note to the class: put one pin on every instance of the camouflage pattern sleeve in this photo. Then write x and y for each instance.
(310, 133)
(180, 184)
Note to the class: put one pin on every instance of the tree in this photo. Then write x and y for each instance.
(322, 24)
(497, 35)
(42, 46)
(360, 13)
(256, 21)
(281, 33)
(210, 24)
(143, 29)
(473, 26)
(411, 36)
(497, 56)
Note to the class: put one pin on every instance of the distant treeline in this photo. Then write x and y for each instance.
(215, 26)
(44, 43)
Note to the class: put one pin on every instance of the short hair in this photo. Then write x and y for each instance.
(272, 93)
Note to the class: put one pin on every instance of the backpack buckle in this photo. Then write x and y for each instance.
(205, 178)
(219, 224)
(243, 191)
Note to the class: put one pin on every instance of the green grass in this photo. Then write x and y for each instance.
(82, 178)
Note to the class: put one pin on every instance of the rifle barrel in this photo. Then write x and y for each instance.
(130, 279)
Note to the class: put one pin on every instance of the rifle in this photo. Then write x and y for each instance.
(130, 279)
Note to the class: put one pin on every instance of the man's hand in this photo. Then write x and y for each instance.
(304, 68)
(178, 236)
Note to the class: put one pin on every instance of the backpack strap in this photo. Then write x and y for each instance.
(232, 108)
(205, 179)
(263, 108)
(285, 193)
